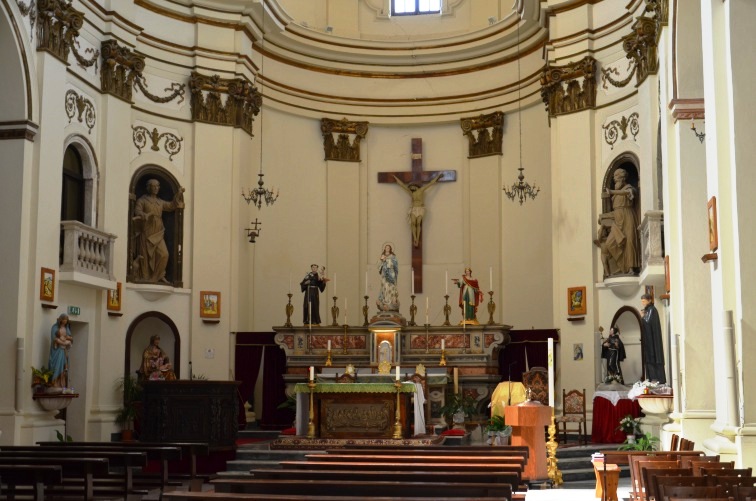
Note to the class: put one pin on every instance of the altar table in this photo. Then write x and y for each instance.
(609, 407)
(354, 410)
(528, 421)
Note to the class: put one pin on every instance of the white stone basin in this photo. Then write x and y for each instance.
(656, 404)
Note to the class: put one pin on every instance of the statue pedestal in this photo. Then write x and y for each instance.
(528, 421)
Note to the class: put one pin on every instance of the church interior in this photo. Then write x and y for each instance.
(472, 189)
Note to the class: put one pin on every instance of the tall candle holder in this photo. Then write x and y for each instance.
(345, 344)
(365, 311)
(397, 415)
(335, 312)
(328, 362)
(442, 361)
(311, 417)
(551, 446)
(289, 311)
(491, 308)
(413, 311)
(447, 310)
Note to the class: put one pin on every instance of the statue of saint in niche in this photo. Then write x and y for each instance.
(619, 241)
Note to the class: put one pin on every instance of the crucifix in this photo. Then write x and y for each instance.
(416, 182)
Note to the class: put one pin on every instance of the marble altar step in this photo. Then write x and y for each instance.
(260, 456)
(575, 463)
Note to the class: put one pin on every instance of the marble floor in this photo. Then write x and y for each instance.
(576, 491)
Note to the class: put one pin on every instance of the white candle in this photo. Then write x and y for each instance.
(490, 278)
(312, 373)
(443, 344)
(456, 380)
(427, 308)
(413, 282)
(551, 371)
(334, 284)
(366, 283)
(397, 373)
(329, 345)
(446, 281)
(289, 282)
(345, 311)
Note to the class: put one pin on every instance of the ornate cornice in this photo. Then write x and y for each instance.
(660, 10)
(641, 47)
(58, 25)
(617, 129)
(490, 131)
(77, 105)
(687, 109)
(120, 67)
(562, 91)
(18, 130)
(342, 149)
(242, 103)
(140, 135)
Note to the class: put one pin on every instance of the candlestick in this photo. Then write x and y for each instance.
(397, 373)
(447, 310)
(329, 345)
(491, 308)
(335, 312)
(312, 373)
(413, 312)
(365, 311)
(551, 370)
(289, 311)
(443, 344)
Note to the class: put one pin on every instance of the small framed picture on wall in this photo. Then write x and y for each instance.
(47, 285)
(114, 298)
(576, 301)
(210, 304)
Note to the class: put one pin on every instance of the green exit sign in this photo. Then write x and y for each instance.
(74, 310)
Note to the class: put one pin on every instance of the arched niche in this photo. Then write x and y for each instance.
(90, 174)
(173, 221)
(630, 323)
(630, 163)
(138, 339)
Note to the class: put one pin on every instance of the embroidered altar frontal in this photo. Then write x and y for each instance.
(359, 410)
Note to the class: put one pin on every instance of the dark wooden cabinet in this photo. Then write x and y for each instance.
(190, 411)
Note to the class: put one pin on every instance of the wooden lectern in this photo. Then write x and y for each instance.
(528, 421)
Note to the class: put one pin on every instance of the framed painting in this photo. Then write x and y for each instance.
(114, 298)
(47, 285)
(576, 301)
(210, 304)
(713, 230)
(666, 275)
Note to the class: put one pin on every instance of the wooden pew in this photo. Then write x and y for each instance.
(34, 476)
(117, 480)
(417, 458)
(501, 450)
(431, 490)
(621, 457)
(395, 466)
(83, 469)
(223, 496)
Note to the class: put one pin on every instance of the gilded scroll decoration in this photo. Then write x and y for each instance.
(242, 103)
(640, 46)
(606, 76)
(176, 90)
(80, 107)
(660, 10)
(562, 91)
(30, 10)
(140, 135)
(490, 132)
(58, 24)
(343, 148)
(616, 130)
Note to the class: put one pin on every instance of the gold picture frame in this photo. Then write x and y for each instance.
(210, 304)
(47, 285)
(711, 208)
(576, 301)
(114, 298)
(667, 286)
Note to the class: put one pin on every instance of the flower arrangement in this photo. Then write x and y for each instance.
(41, 378)
(644, 442)
(613, 378)
(629, 425)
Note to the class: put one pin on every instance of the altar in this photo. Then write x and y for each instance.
(352, 410)
(609, 407)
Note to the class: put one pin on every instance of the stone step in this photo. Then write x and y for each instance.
(250, 452)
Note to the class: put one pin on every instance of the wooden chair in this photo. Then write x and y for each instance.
(636, 488)
(718, 465)
(687, 445)
(654, 466)
(650, 473)
(727, 472)
(573, 412)
(537, 381)
(686, 460)
(688, 491)
(674, 444)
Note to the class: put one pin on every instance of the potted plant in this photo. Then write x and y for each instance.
(457, 408)
(630, 426)
(132, 397)
(41, 379)
(498, 431)
(644, 442)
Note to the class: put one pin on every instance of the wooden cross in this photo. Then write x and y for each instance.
(419, 178)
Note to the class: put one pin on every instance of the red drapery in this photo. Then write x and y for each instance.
(606, 418)
(534, 343)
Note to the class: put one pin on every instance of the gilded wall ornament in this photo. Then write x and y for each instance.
(562, 90)
(242, 101)
(140, 135)
(58, 25)
(342, 149)
(615, 130)
(30, 10)
(490, 132)
(641, 46)
(80, 107)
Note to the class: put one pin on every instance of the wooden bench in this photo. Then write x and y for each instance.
(416, 458)
(431, 490)
(621, 457)
(82, 469)
(117, 480)
(502, 450)
(36, 477)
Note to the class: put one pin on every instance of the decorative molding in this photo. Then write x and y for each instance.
(81, 106)
(243, 101)
(660, 10)
(172, 144)
(122, 71)
(58, 25)
(30, 10)
(641, 46)
(652, 239)
(606, 75)
(342, 149)
(18, 130)
(687, 109)
(573, 97)
(83, 62)
(613, 129)
(490, 132)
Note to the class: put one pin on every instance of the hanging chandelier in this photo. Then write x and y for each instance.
(520, 189)
(261, 194)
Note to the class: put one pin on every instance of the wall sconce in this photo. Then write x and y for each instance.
(253, 233)
(700, 135)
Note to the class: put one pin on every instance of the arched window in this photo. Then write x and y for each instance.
(72, 199)
(415, 7)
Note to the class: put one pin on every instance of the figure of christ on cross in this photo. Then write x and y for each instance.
(416, 182)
